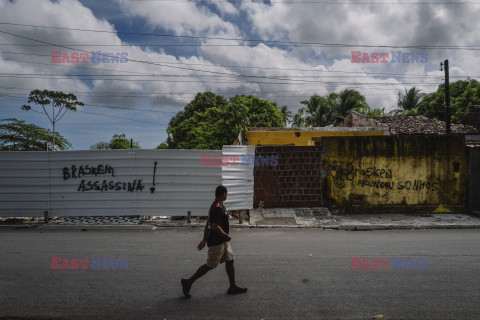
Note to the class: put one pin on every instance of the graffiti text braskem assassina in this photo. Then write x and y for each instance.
(81, 171)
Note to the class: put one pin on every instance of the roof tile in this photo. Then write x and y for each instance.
(422, 125)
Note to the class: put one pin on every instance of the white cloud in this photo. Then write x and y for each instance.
(182, 18)
(227, 8)
(283, 71)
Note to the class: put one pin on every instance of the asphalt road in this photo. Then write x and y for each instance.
(290, 274)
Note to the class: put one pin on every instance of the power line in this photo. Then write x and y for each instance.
(161, 94)
(147, 62)
(100, 114)
(312, 2)
(229, 66)
(278, 77)
(298, 82)
(290, 43)
(96, 105)
(329, 45)
(282, 78)
(124, 118)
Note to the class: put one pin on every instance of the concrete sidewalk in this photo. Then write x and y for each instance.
(323, 218)
(290, 218)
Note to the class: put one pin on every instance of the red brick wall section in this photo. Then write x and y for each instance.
(294, 182)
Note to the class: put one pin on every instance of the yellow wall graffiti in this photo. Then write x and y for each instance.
(396, 170)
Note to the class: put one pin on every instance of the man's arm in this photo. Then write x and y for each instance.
(217, 229)
(202, 243)
(205, 232)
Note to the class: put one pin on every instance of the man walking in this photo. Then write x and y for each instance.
(217, 239)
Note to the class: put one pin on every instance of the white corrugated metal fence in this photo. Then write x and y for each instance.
(119, 182)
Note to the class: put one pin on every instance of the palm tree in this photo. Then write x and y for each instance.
(287, 115)
(322, 111)
(376, 112)
(369, 112)
(319, 111)
(298, 120)
(410, 100)
(350, 99)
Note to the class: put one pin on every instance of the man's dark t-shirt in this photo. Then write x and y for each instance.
(217, 214)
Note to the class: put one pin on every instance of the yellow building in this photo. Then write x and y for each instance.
(301, 136)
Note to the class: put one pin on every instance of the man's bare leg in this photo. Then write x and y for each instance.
(200, 272)
(231, 273)
(187, 283)
(231, 277)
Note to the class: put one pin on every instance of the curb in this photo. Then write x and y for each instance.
(245, 226)
(95, 227)
(18, 226)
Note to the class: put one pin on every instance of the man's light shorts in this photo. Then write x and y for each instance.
(219, 254)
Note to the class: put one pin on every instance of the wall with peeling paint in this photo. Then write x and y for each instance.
(401, 172)
(300, 137)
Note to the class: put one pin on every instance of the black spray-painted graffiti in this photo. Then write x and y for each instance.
(76, 172)
(81, 171)
(341, 174)
(377, 184)
(152, 189)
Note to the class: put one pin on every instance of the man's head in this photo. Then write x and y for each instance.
(221, 193)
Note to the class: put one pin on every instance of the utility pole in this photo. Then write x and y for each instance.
(447, 95)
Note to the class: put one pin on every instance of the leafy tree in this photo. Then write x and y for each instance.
(463, 95)
(57, 99)
(210, 121)
(119, 141)
(178, 127)
(16, 135)
(287, 115)
(102, 145)
(162, 145)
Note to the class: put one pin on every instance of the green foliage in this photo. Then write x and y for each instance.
(287, 115)
(298, 119)
(463, 95)
(210, 121)
(16, 135)
(412, 112)
(376, 112)
(319, 110)
(119, 141)
(323, 111)
(349, 99)
(162, 145)
(58, 100)
(410, 100)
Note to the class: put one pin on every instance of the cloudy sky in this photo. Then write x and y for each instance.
(281, 50)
